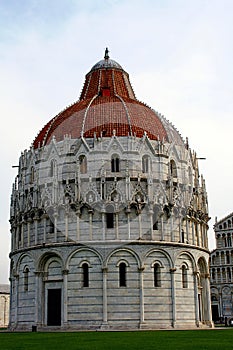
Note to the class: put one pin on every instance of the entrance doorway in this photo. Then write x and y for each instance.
(54, 307)
(215, 314)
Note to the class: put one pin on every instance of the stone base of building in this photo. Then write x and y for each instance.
(104, 327)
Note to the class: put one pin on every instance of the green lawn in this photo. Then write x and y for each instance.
(168, 340)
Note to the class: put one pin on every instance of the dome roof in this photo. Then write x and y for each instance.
(106, 63)
(107, 106)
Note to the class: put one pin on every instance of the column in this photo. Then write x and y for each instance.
(173, 295)
(193, 233)
(44, 220)
(197, 316)
(187, 230)
(197, 233)
(65, 297)
(17, 234)
(66, 225)
(105, 297)
(90, 226)
(55, 227)
(206, 237)
(162, 230)
(16, 298)
(12, 238)
(208, 300)
(37, 298)
(103, 225)
(220, 305)
(141, 269)
(128, 219)
(17, 237)
(22, 233)
(28, 232)
(171, 227)
(140, 224)
(151, 223)
(77, 225)
(117, 225)
(36, 230)
(201, 233)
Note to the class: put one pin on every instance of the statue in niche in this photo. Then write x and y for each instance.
(115, 197)
(138, 198)
(90, 197)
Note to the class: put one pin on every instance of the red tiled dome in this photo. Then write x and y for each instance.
(107, 105)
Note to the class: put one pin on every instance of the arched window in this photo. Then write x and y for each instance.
(145, 164)
(109, 220)
(122, 274)
(173, 169)
(52, 168)
(32, 174)
(83, 164)
(50, 226)
(218, 275)
(213, 274)
(213, 259)
(229, 274)
(25, 282)
(182, 236)
(85, 269)
(157, 275)
(115, 164)
(184, 276)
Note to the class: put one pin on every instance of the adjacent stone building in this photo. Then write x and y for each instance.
(109, 218)
(4, 305)
(221, 271)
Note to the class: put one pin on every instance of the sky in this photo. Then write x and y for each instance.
(178, 54)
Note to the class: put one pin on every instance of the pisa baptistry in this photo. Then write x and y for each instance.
(109, 218)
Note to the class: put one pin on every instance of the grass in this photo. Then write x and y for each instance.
(217, 339)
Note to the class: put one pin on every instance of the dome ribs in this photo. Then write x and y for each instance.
(105, 115)
(121, 88)
(91, 85)
(107, 106)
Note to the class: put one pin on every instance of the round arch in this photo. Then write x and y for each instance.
(153, 250)
(202, 265)
(134, 254)
(17, 264)
(42, 261)
(189, 255)
(92, 250)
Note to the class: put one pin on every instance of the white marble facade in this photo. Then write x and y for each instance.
(109, 233)
(221, 272)
(4, 305)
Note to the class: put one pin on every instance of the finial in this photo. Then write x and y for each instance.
(106, 55)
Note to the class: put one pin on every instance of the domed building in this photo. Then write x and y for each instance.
(109, 218)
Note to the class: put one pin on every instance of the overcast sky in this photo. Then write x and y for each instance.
(178, 53)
